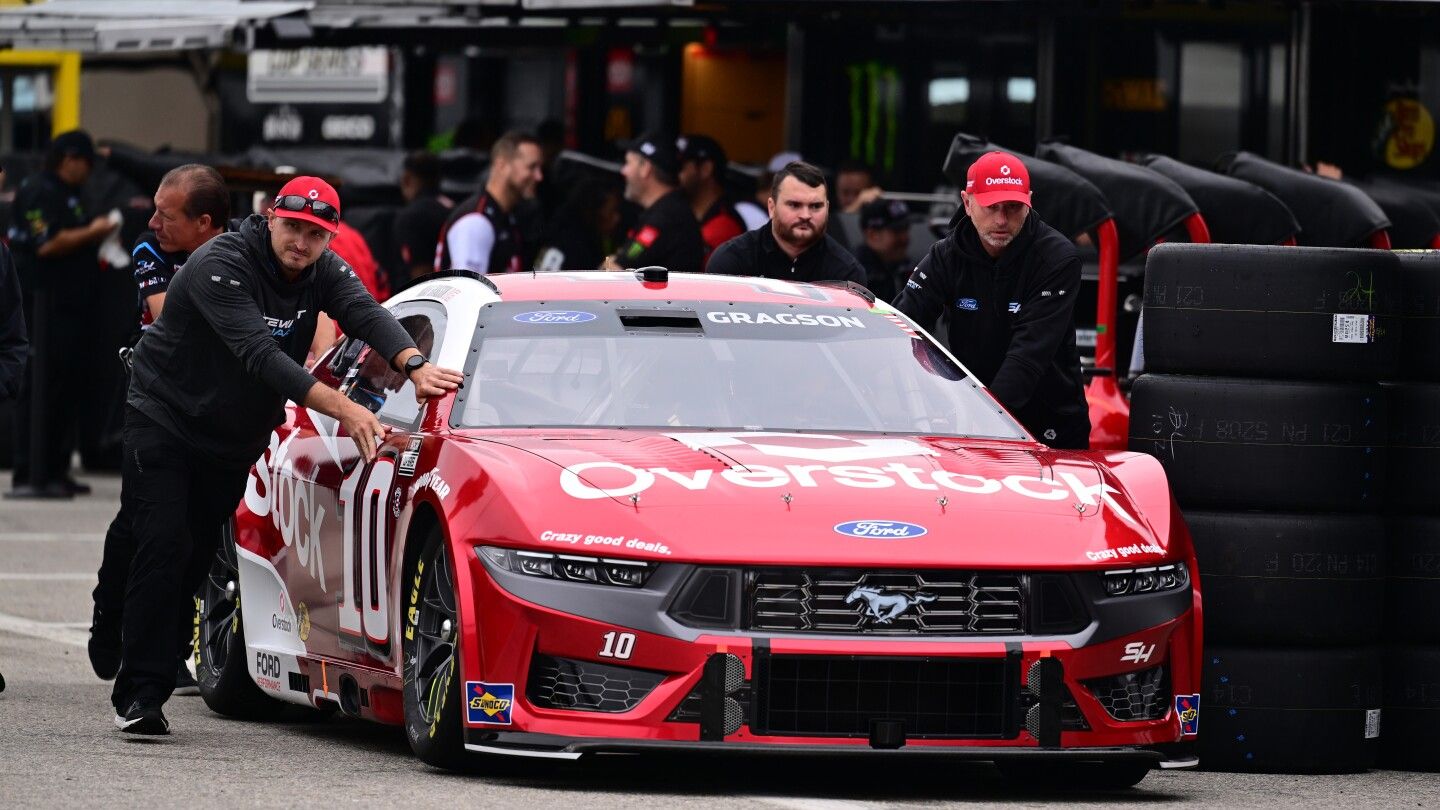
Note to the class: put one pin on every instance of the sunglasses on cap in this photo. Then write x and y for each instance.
(323, 210)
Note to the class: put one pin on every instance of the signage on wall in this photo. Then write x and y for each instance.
(318, 76)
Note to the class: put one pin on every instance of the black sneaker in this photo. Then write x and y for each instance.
(104, 645)
(74, 487)
(143, 718)
(185, 682)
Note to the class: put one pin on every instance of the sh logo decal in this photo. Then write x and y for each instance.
(883, 607)
(1137, 653)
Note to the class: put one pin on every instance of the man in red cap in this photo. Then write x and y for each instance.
(210, 382)
(1008, 282)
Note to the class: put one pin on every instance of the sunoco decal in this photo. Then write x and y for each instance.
(1187, 710)
(554, 316)
(489, 703)
(880, 529)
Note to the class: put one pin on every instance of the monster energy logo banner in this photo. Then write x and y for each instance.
(874, 113)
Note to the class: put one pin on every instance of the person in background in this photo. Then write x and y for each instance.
(702, 167)
(795, 246)
(482, 233)
(583, 231)
(886, 252)
(14, 346)
(854, 185)
(666, 234)
(418, 223)
(56, 244)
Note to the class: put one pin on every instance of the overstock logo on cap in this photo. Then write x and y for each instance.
(1004, 168)
(314, 194)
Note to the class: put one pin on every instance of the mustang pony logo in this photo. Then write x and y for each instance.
(883, 607)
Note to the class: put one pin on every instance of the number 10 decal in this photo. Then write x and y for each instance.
(618, 645)
(365, 603)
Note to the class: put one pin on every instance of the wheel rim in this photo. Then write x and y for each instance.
(220, 607)
(435, 631)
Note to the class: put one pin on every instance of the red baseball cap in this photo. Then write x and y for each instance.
(313, 190)
(998, 177)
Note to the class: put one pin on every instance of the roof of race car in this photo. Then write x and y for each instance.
(601, 286)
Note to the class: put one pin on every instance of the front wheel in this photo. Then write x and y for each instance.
(430, 648)
(1072, 775)
(220, 662)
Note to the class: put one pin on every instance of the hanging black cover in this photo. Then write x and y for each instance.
(1147, 205)
(1066, 201)
(1414, 221)
(1237, 212)
(1330, 213)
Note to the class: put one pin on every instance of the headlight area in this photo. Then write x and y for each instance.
(1149, 579)
(570, 567)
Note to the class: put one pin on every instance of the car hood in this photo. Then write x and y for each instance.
(789, 499)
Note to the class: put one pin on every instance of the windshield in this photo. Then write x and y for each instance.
(718, 365)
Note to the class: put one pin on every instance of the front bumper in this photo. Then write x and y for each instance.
(1039, 696)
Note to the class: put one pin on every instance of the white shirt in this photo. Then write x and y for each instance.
(470, 240)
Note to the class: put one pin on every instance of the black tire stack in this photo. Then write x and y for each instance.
(1412, 605)
(1267, 413)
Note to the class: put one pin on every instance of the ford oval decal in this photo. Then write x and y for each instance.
(880, 529)
(555, 316)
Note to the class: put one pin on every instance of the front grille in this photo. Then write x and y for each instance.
(565, 683)
(1143, 695)
(886, 602)
(806, 695)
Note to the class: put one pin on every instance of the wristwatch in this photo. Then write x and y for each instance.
(414, 363)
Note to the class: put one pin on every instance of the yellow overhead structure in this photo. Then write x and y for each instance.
(65, 115)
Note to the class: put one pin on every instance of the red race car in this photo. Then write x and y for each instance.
(703, 512)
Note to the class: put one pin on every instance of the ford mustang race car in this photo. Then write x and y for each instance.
(703, 512)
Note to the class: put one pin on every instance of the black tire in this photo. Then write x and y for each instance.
(1290, 710)
(221, 665)
(433, 694)
(1315, 580)
(1420, 316)
(1412, 589)
(1412, 709)
(1414, 454)
(1074, 775)
(1230, 443)
(1266, 311)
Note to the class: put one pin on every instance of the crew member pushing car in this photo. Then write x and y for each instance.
(1008, 282)
(210, 382)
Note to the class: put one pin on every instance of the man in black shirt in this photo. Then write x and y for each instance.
(482, 233)
(702, 169)
(885, 255)
(666, 233)
(56, 246)
(794, 245)
(192, 206)
(418, 224)
(1009, 283)
(210, 382)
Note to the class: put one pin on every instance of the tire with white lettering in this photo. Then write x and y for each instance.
(1412, 587)
(1267, 311)
(1412, 709)
(1290, 710)
(1414, 453)
(1232, 443)
(430, 647)
(1269, 578)
(1420, 315)
(221, 663)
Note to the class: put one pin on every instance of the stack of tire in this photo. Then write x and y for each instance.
(1412, 604)
(1266, 410)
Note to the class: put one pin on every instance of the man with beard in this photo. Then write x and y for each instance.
(885, 255)
(666, 234)
(794, 246)
(702, 165)
(482, 233)
(1009, 283)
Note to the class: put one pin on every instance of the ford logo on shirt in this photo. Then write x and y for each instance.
(555, 316)
(880, 529)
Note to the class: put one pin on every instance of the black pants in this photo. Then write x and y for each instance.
(177, 500)
(114, 576)
(63, 370)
